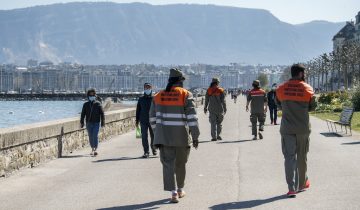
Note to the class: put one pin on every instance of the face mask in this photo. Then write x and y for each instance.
(147, 92)
(92, 98)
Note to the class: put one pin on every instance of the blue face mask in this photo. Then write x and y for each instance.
(147, 92)
(92, 98)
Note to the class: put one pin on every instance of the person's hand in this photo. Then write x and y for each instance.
(205, 110)
(265, 110)
(195, 143)
(247, 108)
(81, 125)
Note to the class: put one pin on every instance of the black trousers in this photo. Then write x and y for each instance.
(145, 128)
(273, 113)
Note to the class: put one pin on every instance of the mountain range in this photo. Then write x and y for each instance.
(111, 33)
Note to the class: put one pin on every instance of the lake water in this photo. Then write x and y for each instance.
(14, 113)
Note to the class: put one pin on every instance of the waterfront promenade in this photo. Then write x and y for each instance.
(236, 173)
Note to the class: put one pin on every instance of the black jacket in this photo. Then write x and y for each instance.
(271, 98)
(92, 112)
(143, 109)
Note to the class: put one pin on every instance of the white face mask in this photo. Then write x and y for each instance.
(92, 98)
(148, 91)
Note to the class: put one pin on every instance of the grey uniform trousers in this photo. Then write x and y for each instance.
(174, 161)
(254, 118)
(295, 148)
(216, 124)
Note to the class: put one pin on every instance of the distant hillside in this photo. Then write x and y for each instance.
(109, 33)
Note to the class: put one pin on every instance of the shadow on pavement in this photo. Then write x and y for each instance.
(75, 156)
(246, 204)
(148, 206)
(351, 143)
(202, 142)
(123, 158)
(232, 142)
(331, 134)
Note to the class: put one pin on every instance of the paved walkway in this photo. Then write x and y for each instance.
(236, 173)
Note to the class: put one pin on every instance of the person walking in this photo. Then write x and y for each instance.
(175, 123)
(295, 98)
(258, 100)
(142, 119)
(271, 96)
(93, 114)
(216, 105)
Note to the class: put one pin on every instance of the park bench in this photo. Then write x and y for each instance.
(345, 120)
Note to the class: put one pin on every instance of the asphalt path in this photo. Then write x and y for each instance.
(235, 173)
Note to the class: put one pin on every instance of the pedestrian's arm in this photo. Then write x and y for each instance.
(152, 116)
(102, 115)
(191, 117)
(138, 110)
(312, 104)
(223, 101)
(206, 102)
(82, 116)
(278, 103)
(265, 102)
(248, 101)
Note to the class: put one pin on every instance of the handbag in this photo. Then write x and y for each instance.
(138, 132)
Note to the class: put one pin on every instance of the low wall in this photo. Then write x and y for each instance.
(30, 145)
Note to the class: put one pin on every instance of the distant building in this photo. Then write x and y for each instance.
(32, 63)
(349, 33)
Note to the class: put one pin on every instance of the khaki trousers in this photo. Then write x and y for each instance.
(254, 118)
(174, 161)
(295, 148)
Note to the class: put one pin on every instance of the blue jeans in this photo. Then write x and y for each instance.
(93, 132)
(145, 127)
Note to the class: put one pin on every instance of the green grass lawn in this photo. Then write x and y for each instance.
(355, 123)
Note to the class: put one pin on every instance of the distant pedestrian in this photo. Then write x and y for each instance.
(258, 100)
(142, 119)
(93, 114)
(216, 104)
(295, 98)
(174, 120)
(271, 96)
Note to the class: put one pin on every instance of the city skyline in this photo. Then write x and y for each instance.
(294, 12)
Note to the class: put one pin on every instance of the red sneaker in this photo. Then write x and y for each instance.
(291, 194)
(307, 186)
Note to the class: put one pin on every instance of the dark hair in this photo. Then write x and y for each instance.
(91, 90)
(172, 82)
(213, 84)
(296, 69)
(147, 84)
(255, 85)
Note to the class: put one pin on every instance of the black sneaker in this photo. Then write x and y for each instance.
(255, 138)
(213, 139)
(219, 138)
(146, 155)
(154, 152)
(260, 135)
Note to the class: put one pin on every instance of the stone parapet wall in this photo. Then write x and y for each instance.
(29, 145)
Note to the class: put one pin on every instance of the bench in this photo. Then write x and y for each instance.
(345, 120)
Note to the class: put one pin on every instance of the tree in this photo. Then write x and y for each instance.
(264, 81)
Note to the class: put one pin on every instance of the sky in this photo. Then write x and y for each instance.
(291, 11)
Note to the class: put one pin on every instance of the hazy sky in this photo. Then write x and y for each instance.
(292, 11)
